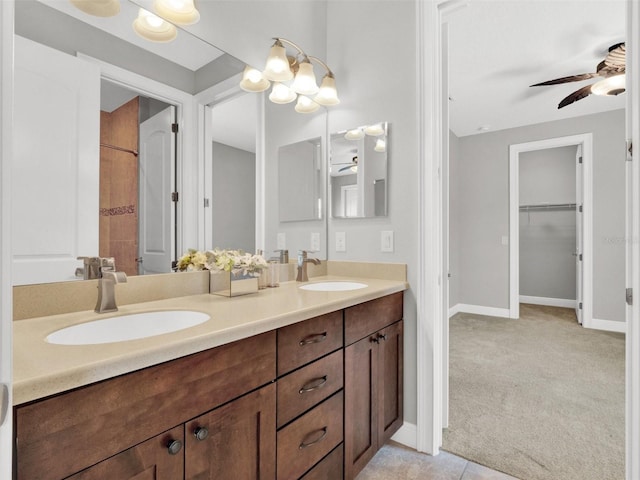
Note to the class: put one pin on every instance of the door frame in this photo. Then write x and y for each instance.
(586, 142)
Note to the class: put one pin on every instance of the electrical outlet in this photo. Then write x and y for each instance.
(341, 242)
(281, 241)
(315, 242)
(386, 241)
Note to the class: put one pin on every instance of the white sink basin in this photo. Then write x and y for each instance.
(127, 327)
(333, 286)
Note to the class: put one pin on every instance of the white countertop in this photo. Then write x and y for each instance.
(42, 369)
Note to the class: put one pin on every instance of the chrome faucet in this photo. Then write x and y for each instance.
(302, 265)
(107, 290)
(284, 256)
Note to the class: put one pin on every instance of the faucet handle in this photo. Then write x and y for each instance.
(284, 255)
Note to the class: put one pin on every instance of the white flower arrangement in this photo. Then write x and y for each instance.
(234, 261)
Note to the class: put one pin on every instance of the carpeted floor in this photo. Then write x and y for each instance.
(539, 398)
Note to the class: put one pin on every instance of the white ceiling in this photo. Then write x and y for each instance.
(498, 48)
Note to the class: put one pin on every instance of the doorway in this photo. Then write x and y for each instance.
(583, 207)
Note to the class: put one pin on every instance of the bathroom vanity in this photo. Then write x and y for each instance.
(295, 384)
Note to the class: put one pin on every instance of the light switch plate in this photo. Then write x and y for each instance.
(505, 240)
(315, 242)
(281, 241)
(341, 242)
(386, 241)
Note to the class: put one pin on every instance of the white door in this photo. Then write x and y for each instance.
(56, 163)
(157, 212)
(579, 233)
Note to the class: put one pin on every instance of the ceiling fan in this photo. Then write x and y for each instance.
(352, 165)
(612, 69)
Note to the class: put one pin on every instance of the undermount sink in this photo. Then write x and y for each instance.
(333, 286)
(127, 327)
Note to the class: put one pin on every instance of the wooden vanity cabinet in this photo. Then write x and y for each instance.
(373, 379)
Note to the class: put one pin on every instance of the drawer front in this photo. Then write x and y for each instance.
(304, 388)
(330, 468)
(306, 441)
(303, 342)
(369, 317)
(62, 435)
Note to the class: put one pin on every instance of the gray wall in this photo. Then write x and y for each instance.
(548, 237)
(233, 203)
(482, 210)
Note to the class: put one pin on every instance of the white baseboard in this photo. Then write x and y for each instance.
(407, 435)
(550, 302)
(607, 325)
(479, 310)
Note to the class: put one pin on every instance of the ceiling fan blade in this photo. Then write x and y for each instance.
(346, 168)
(571, 78)
(575, 96)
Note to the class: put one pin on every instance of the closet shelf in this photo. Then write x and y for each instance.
(548, 206)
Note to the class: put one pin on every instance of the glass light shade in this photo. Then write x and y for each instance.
(277, 68)
(609, 86)
(355, 134)
(306, 105)
(253, 81)
(180, 12)
(152, 27)
(381, 145)
(305, 81)
(281, 94)
(98, 8)
(327, 95)
(374, 130)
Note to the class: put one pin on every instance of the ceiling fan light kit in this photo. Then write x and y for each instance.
(611, 69)
(281, 68)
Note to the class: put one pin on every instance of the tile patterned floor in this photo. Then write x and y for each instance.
(396, 462)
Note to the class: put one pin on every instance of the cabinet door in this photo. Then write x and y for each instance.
(151, 460)
(239, 442)
(390, 358)
(361, 398)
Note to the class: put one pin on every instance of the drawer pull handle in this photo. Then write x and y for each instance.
(200, 433)
(374, 339)
(313, 338)
(323, 433)
(174, 447)
(314, 384)
(382, 336)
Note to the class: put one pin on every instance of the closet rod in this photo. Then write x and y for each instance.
(133, 152)
(545, 206)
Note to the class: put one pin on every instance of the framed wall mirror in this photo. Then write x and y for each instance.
(358, 171)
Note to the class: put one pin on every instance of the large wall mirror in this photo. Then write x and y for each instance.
(97, 161)
(358, 171)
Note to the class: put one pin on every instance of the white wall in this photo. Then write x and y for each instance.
(454, 249)
(371, 49)
(482, 210)
(548, 237)
(233, 200)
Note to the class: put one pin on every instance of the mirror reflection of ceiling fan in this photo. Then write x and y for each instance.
(352, 165)
(612, 69)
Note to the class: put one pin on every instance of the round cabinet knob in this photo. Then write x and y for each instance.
(174, 447)
(200, 433)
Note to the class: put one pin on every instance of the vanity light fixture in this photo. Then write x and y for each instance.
(381, 145)
(180, 12)
(154, 28)
(355, 134)
(281, 67)
(374, 130)
(98, 8)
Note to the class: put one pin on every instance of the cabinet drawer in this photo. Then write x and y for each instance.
(62, 435)
(303, 342)
(369, 317)
(330, 468)
(302, 389)
(304, 442)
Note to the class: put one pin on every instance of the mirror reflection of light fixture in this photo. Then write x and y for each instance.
(180, 12)
(381, 145)
(154, 28)
(281, 94)
(613, 85)
(253, 80)
(355, 134)
(306, 105)
(281, 67)
(98, 8)
(374, 130)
